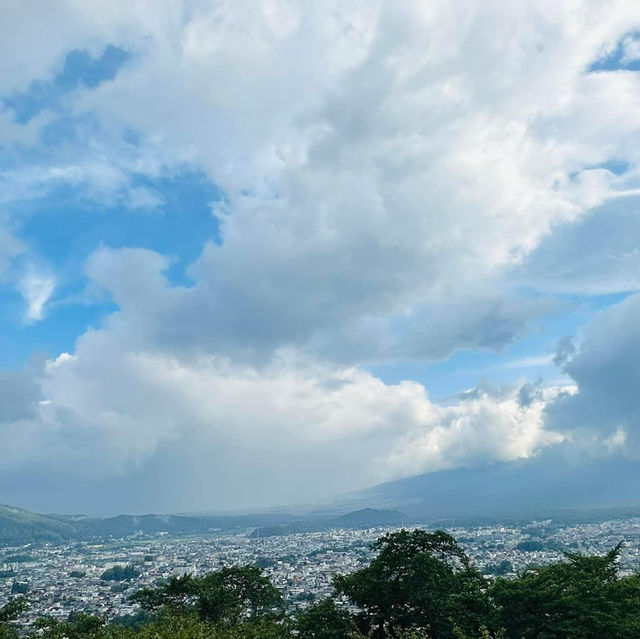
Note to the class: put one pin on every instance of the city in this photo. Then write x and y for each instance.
(69, 578)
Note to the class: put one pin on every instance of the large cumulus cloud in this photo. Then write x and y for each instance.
(287, 431)
(377, 158)
(404, 161)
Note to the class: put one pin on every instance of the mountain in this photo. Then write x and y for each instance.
(549, 483)
(18, 526)
(362, 518)
(540, 484)
(370, 517)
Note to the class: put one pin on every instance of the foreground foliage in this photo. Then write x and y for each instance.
(420, 585)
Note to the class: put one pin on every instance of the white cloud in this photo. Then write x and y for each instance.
(284, 432)
(400, 160)
(405, 154)
(36, 288)
(479, 429)
(630, 48)
(144, 198)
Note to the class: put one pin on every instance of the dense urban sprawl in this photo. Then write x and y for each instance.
(68, 578)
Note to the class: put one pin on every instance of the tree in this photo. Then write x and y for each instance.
(120, 573)
(185, 627)
(78, 626)
(325, 620)
(231, 594)
(225, 596)
(178, 594)
(500, 569)
(19, 588)
(418, 580)
(581, 598)
(10, 612)
(13, 609)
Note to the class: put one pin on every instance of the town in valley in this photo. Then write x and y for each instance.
(99, 576)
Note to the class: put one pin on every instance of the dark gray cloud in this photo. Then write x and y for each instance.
(597, 254)
(250, 323)
(606, 368)
(565, 350)
(20, 394)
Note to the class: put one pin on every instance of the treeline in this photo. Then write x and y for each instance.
(420, 585)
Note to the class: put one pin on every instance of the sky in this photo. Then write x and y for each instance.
(263, 253)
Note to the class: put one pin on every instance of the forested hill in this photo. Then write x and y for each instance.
(18, 526)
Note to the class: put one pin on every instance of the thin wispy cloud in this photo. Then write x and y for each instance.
(36, 288)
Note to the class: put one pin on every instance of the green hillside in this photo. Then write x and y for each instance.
(18, 526)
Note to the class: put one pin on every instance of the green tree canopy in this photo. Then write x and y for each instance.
(418, 580)
(580, 598)
(120, 573)
(225, 596)
(325, 620)
(78, 626)
(10, 612)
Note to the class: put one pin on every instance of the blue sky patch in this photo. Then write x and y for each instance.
(62, 228)
(625, 56)
(80, 69)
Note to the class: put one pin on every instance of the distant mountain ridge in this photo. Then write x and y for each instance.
(362, 518)
(545, 483)
(370, 517)
(541, 485)
(19, 526)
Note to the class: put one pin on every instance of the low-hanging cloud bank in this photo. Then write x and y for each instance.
(286, 432)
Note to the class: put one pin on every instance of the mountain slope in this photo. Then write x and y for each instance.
(548, 482)
(18, 526)
(369, 517)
